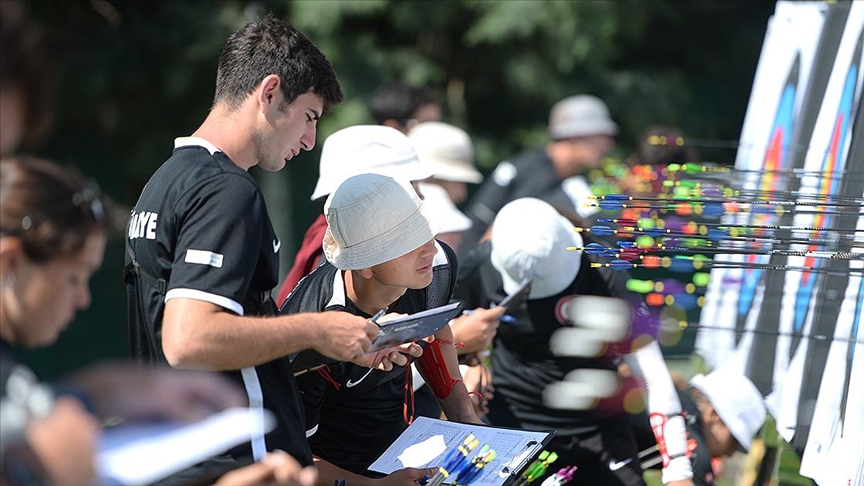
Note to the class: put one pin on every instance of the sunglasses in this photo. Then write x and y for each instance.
(88, 199)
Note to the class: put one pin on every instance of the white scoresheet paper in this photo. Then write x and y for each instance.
(426, 443)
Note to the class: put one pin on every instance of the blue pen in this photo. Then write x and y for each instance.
(503, 318)
(467, 468)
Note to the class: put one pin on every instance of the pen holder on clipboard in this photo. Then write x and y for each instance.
(514, 467)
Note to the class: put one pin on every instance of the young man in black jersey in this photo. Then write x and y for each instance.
(529, 239)
(202, 256)
(381, 254)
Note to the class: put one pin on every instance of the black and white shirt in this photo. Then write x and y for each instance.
(201, 226)
(522, 361)
(353, 414)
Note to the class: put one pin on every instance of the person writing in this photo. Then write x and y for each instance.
(381, 254)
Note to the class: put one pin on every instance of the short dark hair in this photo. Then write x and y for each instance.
(52, 209)
(398, 101)
(23, 67)
(274, 46)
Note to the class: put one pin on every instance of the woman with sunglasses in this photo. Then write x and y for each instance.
(52, 239)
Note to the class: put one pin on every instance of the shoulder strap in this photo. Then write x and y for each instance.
(440, 291)
(133, 269)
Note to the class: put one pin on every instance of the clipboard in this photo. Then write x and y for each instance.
(513, 301)
(416, 326)
(426, 442)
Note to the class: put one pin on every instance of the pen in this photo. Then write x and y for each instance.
(378, 315)
(487, 458)
(470, 465)
(504, 318)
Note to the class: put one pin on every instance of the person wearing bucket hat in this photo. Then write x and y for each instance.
(581, 132)
(720, 413)
(448, 149)
(530, 240)
(381, 254)
(353, 150)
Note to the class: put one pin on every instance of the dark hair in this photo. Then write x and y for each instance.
(274, 46)
(22, 67)
(398, 101)
(53, 210)
(664, 145)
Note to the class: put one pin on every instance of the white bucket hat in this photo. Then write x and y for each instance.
(737, 402)
(440, 208)
(372, 219)
(367, 149)
(448, 149)
(530, 240)
(580, 116)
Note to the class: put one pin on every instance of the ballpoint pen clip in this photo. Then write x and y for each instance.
(378, 315)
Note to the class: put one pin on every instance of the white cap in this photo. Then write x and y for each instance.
(580, 116)
(448, 149)
(372, 219)
(367, 149)
(530, 240)
(736, 400)
(440, 208)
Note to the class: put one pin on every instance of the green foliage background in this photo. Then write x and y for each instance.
(132, 75)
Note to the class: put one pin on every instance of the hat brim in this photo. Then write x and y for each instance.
(406, 237)
(700, 382)
(414, 172)
(569, 130)
(447, 170)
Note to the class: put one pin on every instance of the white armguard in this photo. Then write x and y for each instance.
(671, 436)
(664, 411)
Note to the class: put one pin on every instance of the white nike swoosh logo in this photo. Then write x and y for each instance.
(276, 245)
(614, 466)
(352, 384)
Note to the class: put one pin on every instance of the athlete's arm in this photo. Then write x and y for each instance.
(457, 406)
(664, 408)
(202, 335)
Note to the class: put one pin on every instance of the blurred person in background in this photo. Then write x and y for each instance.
(401, 106)
(52, 240)
(718, 414)
(581, 133)
(450, 153)
(529, 240)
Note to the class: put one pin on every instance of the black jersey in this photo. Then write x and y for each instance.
(700, 457)
(353, 414)
(522, 363)
(529, 174)
(200, 230)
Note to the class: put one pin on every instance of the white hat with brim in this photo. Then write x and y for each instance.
(530, 240)
(441, 208)
(364, 149)
(372, 219)
(737, 401)
(448, 149)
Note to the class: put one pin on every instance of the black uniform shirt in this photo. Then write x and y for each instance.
(522, 363)
(352, 417)
(201, 224)
(529, 174)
